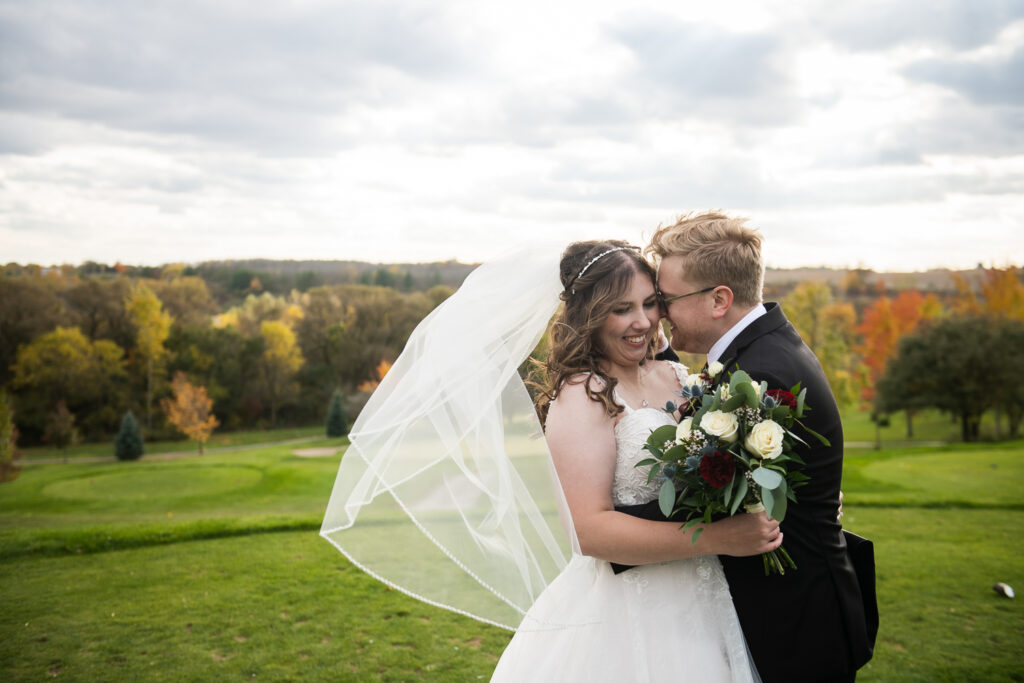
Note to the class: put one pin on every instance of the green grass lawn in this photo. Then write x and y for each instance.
(217, 440)
(210, 568)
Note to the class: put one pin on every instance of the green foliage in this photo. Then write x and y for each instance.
(64, 365)
(128, 442)
(29, 307)
(9, 452)
(337, 423)
(959, 365)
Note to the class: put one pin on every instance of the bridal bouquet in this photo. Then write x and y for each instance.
(734, 446)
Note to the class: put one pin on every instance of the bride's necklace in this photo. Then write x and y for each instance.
(640, 391)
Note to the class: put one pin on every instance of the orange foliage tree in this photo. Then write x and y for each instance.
(887, 320)
(189, 410)
(382, 369)
(884, 323)
(1000, 294)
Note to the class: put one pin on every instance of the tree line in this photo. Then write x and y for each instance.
(99, 344)
(82, 347)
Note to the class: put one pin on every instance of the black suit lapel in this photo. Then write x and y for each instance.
(769, 322)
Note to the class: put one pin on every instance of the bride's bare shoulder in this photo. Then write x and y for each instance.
(574, 402)
(575, 420)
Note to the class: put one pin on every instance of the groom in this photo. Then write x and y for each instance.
(808, 625)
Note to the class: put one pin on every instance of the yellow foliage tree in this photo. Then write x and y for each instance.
(153, 326)
(280, 361)
(189, 410)
(1001, 294)
(827, 327)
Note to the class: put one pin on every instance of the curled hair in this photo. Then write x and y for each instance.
(589, 299)
(716, 250)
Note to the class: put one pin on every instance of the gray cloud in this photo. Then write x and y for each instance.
(269, 79)
(883, 24)
(707, 72)
(993, 82)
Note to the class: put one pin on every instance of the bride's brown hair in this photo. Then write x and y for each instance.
(593, 284)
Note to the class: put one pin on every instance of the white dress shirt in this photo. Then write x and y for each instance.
(723, 342)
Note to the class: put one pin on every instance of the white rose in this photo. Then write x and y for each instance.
(684, 429)
(715, 368)
(765, 439)
(722, 425)
(693, 381)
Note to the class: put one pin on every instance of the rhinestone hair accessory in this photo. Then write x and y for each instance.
(595, 260)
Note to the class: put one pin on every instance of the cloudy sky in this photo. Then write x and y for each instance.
(887, 133)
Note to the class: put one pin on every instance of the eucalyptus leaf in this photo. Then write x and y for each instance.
(767, 478)
(746, 390)
(696, 535)
(780, 413)
(741, 493)
(768, 501)
(667, 498)
(800, 402)
(662, 434)
(727, 490)
(780, 505)
(734, 402)
(646, 461)
(736, 378)
(676, 453)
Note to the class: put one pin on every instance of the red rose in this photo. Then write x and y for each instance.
(783, 397)
(717, 468)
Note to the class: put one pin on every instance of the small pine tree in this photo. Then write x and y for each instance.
(128, 442)
(337, 423)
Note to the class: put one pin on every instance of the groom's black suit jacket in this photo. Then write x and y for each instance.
(808, 625)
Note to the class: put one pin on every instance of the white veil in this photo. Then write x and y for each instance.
(447, 491)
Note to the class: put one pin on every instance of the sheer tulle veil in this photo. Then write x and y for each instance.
(447, 491)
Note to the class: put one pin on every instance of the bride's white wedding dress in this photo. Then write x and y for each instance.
(666, 622)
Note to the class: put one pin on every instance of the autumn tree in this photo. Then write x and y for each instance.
(189, 410)
(1000, 293)
(9, 453)
(884, 322)
(64, 365)
(827, 327)
(97, 307)
(280, 361)
(186, 299)
(222, 360)
(29, 307)
(257, 309)
(152, 326)
(61, 431)
(128, 444)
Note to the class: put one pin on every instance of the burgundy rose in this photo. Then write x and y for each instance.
(783, 397)
(717, 468)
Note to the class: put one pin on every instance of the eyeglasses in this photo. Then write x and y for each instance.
(665, 301)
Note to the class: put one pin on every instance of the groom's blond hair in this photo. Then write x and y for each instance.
(716, 250)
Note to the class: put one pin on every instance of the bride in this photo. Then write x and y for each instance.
(449, 494)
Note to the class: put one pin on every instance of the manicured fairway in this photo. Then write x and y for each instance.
(210, 568)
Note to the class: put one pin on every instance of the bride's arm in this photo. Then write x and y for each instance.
(581, 437)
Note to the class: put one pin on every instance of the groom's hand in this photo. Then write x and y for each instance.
(745, 534)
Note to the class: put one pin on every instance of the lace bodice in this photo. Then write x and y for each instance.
(630, 486)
